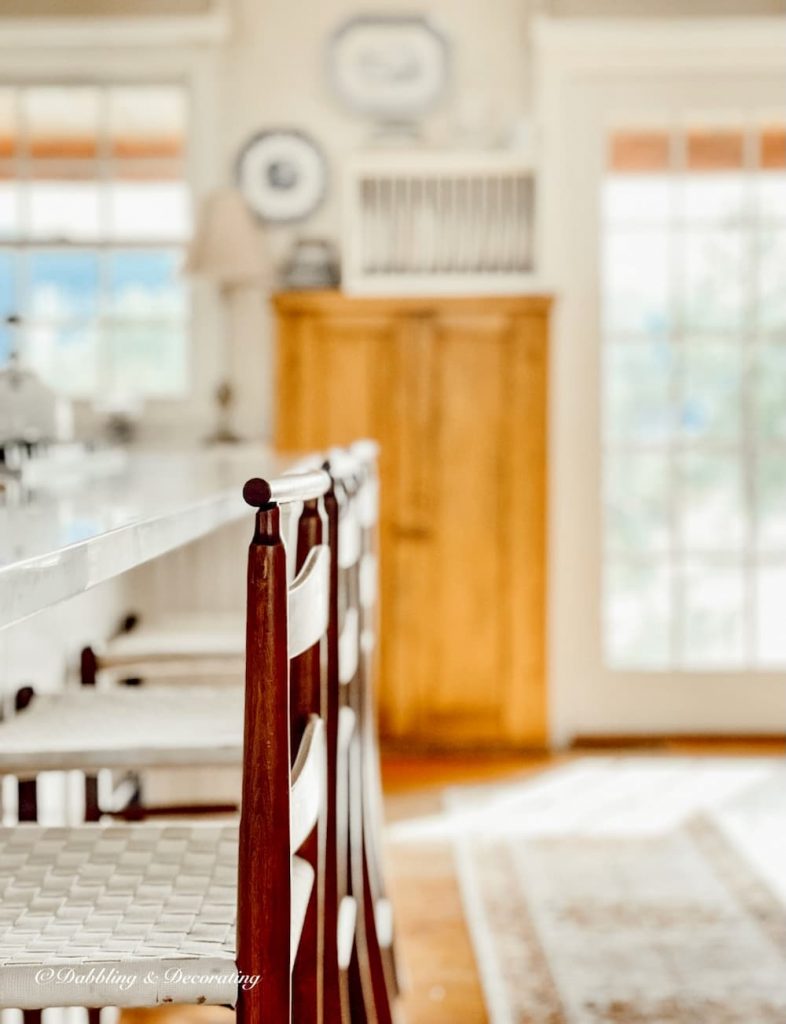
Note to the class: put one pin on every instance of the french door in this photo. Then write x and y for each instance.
(665, 233)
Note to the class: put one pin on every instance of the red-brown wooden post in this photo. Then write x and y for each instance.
(306, 683)
(27, 789)
(372, 992)
(88, 672)
(306, 700)
(264, 856)
(336, 1009)
(372, 789)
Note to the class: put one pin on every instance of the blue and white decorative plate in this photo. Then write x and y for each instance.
(393, 67)
(282, 174)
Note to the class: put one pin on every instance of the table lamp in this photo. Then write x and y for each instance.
(227, 250)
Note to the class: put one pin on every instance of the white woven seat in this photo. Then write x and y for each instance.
(157, 647)
(118, 727)
(127, 915)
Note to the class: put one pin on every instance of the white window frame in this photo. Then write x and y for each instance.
(31, 62)
(571, 55)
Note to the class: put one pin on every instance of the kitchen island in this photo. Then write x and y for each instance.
(63, 535)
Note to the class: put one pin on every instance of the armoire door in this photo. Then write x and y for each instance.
(467, 531)
(455, 391)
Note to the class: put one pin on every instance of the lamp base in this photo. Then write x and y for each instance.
(223, 435)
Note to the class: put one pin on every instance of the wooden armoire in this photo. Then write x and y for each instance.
(455, 391)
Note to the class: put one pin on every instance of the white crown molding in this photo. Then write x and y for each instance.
(619, 44)
(146, 30)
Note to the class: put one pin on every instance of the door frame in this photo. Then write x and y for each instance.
(573, 57)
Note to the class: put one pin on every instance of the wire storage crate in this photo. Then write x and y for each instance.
(438, 223)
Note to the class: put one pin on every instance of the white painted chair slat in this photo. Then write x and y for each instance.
(383, 919)
(347, 919)
(368, 504)
(348, 647)
(367, 580)
(346, 726)
(350, 538)
(290, 516)
(302, 886)
(308, 780)
(308, 601)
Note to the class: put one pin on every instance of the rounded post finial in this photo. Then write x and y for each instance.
(257, 492)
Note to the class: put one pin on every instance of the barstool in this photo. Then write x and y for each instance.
(138, 915)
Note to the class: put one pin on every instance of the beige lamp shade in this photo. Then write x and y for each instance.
(227, 247)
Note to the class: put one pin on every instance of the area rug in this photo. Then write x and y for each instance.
(628, 891)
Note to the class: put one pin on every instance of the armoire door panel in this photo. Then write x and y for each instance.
(525, 709)
(413, 407)
(455, 389)
(407, 603)
(410, 525)
(329, 380)
(469, 388)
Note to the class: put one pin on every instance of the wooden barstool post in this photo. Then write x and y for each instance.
(372, 792)
(88, 675)
(27, 789)
(306, 700)
(305, 687)
(264, 855)
(372, 978)
(336, 883)
(374, 982)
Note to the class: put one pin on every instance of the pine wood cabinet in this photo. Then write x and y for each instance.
(455, 390)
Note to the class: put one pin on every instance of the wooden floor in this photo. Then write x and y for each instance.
(436, 959)
(442, 984)
(434, 945)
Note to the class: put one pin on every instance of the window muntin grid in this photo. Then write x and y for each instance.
(94, 217)
(694, 397)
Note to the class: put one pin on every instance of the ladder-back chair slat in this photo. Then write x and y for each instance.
(307, 782)
(308, 601)
(348, 652)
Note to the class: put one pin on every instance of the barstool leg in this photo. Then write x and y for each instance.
(337, 1006)
(264, 855)
(306, 699)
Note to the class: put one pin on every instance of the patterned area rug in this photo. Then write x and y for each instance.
(629, 891)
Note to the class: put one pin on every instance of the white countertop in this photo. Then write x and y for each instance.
(66, 537)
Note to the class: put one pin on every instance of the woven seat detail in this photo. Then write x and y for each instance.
(117, 727)
(126, 915)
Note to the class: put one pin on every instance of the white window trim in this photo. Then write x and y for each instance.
(569, 54)
(180, 418)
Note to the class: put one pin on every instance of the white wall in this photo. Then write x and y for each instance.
(43, 651)
(664, 8)
(273, 73)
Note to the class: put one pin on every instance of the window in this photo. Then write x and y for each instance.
(94, 215)
(694, 396)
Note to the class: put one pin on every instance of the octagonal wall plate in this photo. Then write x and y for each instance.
(392, 67)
